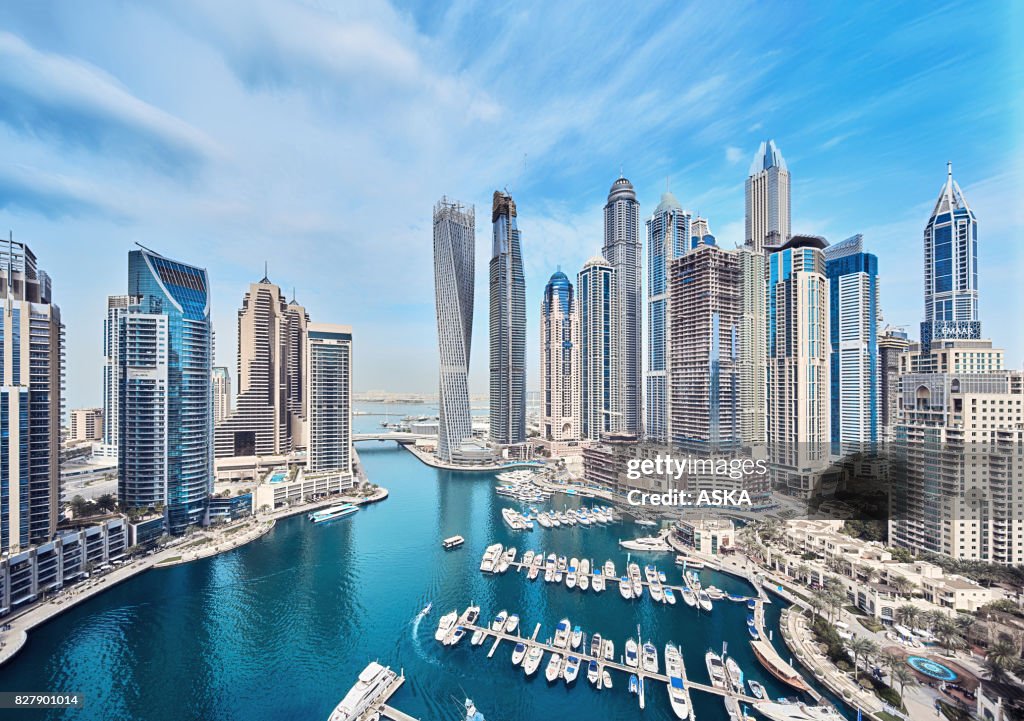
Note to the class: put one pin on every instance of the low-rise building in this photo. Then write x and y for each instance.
(294, 486)
(707, 535)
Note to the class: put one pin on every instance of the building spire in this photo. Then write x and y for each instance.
(949, 169)
(266, 276)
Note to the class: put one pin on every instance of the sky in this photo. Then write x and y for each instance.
(317, 136)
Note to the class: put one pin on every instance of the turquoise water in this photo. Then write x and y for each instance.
(279, 628)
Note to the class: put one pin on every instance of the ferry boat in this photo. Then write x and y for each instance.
(373, 682)
(533, 659)
(332, 513)
(678, 694)
(716, 670)
(778, 668)
(554, 669)
(452, 542)
(649, 659)
(797, 712)
(562, 632)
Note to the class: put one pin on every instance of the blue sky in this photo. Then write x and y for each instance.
(317, 136)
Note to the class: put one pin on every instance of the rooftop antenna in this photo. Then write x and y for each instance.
(949, 168)
(266, 279)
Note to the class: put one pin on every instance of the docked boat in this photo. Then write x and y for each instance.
(455, 636)
(584, 576)
(544, 520)
(756, 689)
(645, 522)
(735, 674)
(570, 577)
(596, 645)
(538, 563)
(609, 650)
(499, 621)
(657, 593)
(452, 542)
(491, 556)
(549, 567)
(597, 582)
(704, 601)
(445, 625)
(716, 670)
(373, 682)
(650, 544)
(478, 637)
(571, 669)
(577, 637)
(649, 658)
(670, 596)
(638, 588)
(506, 560)
(333, 513)
(528, 558)
(533, 659)
(562, 632)
(609, 569)
(634, 684)
(518, 653)
(594, 673)
(631, 653)
(606, 679)
(678, 694)
(797, 712)
(554, 668)
(626, 588)
(775, 664)
(512, 624)
(754, 635)
(689, 597)
(470, 615)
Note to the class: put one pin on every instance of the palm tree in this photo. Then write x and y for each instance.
(802, 571)
(908, 614)
(901, 584)
(817, 603)
(870, 652)
(890, 661)
(858, 645)
(948, 634)
(1001, 658)
(904, 677)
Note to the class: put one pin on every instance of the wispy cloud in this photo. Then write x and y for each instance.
(733, 154)
(24, 189)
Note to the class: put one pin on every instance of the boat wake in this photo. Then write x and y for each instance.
(420, 651)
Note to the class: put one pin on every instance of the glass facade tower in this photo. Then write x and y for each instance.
(599, 353)
(507, 325)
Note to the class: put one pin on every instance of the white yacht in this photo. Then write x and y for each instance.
(533, 659)
(609, 650)
(518, 653)
(678, 694)
(554, 668)
(596, 645)
(570, 577)
(594, 673)
(597, 582)
(499, 621)
(689, 597)
(716, 670)
(506, 560)
(797, 712)
(735, 674)
(571, 670)
(649, 658)
(512, 624)
(562, 632)
(626, 588)
(490, 558)
(704, 600)
(609, 569)
(670, 596)
(606, 678)
(528, 558)
(584, 578)
(373, 682)
(577, 637)
(478, 637)
(631, 653)
(445, 625)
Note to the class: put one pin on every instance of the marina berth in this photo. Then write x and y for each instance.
(670, 596)
(606, 678)
(528, 558)
(512, 624)
(609, 569)
(626, 588)
(609, 650)
(704, 601)
(374, 682)
(596, 645)
(477, 638)
(570, 577)
(597, 582)
(506, 560)
(689, 597)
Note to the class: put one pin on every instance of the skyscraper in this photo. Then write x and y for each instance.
(508, 325)
(767, 199)
(269, 416)
(700, 233)
(668, 237)
(599, 353)
(165, 454)
(798, 364)
(622, 250)
(753, 366)
(329, 405)
(454, 248)
(891, 343)
(950, 268)
(705, 310)
(117, 307)
(31, 380)
(221, 394)
(559, 362)
(853, 326)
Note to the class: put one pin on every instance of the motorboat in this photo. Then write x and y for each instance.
(645, 522)
(471, 713)
(594, 673)
(499, 621)
(426, 609)
(609, 650)
(491, 556)
(571, 670)
(373, 682)
(606, 679)
(596, 645)
(528, 558)
(634, 684)
(609, 569)
(657, 593)
(704, 601)
(689, 597)
(532, 661)
(577, 637)
(797, 712)
(507, 559)
(562, 632)
(756, 689)
(333, 513)
(649, 658)
(478, 637)
(584, 576)
(662, 577)
(638, 588)
(512, 624)
(518, 653)
(554, 668)
(543, 520)
(735, 674)
(535, 566)
(570, 577)
(626, 588)
(670, 596)
(597, 581)
(716, 670)
(445, 625)
(631, 653)
(549, 568)
(455, 636)
(678, 694)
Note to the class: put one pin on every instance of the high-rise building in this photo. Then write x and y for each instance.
(853, 326)
(269, 416)
(454, 249)
(753, 365)
(767, 199)
(622, 249)
(705, 313)
(559, 362)
(86, 424)
(221, 394)
(329, 404)
(31, 384)
(950, 268)
(598, 351)
(165, 453)
(508, 325)
(891, 343)
(798, 364)
(117, 307)
(700, 233)
(668, 237)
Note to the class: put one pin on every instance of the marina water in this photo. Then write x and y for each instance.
(280, 628)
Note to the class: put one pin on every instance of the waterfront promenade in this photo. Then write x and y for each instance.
(434, 462)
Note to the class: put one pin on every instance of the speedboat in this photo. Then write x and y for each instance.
(478, 637)
(689, 597)
(584, 578)
(554, 669)
(597, 582)
(533, 658)
(445, 625)
(594, 673)
(634, 684)
(471, 713)
(499, 621)
(518, 653)
(372, 683)
(512, 624)
(609, 650)
(735, 674)
(596, 645)
(631, 651)
(528, 558)
(797, 712)
(626, 588)
(455, 636)
(716, 670)
(570, 577)
(426, 609)
(678, 694)
(645, 522)
(571, 670)
(649, 659)
(756, 689)
(704, 600)
(662, 577)
(562, 631)
(670, 596)
(609, 569)
(606, 679)
(577, 637)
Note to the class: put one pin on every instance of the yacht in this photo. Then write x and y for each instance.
(584, 578)
(606, 678)
(571, 670)
(478, 637)
(626, 588)
(797, 712)
(645, 522)
(555, 520)
(570, 577)
(455, 636)
(470, 615)
(562, 631)
(597, 581)
(549, 568)
(543, 520)
(609, 569)
(528, 558)
(596, 645)
(445, 625)
(638, 587)
(670, 596)
(594, 673)
(518, 653)
(689, 597)
(512, 624)
(533, 659)
(649, 660)
(609, 650)
(657, 593)
(756, 689)
(577, 637)
(499, 621)
(491, 556)
(373, 682)
(631, 657)
(704, 600)
(735, 674)
(716, 670)
(554, 669)
(333, 513)
(678, 694)
(538, 563)
(507, 559)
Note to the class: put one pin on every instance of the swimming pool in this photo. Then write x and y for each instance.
(932, 669)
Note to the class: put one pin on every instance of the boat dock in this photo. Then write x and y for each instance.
(380, 705)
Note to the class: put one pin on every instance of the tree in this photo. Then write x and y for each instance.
(870, 652)
(79, 506)
(1002, 659)
(802, 571)
(858, 646)
(908, 614)
(890, 661)
(904, 677)
(901, 584)
(817, 603)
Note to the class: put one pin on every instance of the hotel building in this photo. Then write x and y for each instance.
(559, 365)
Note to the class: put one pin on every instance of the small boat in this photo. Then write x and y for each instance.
(678, 694)
(528, 558)
(597, 582)
(499, 621)
(512, 624)
(518, 653)
(584, 578)
(478, 637)
(543, 520)
(426, 609)
(562, 631)
(756, 689)
(596, 645)
(455, 636)
(577, 637)
(571, 670)
(754, 635)
(631, 653)
(689, 597)
(445, 625)
(662, 577)
(533, 659)
(735, 674)
(626, 588)
(554, 668)
(609, 569)
(649, 658)
(670, 596)
(593, 673)
(606, 679)
(704, 600)
(752, 604)
(634, 684)
(657, 594)
(716, 670)
(452, 542)
(609, 650)
(570, 577)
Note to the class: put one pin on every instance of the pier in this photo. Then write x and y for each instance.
(380, 707)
